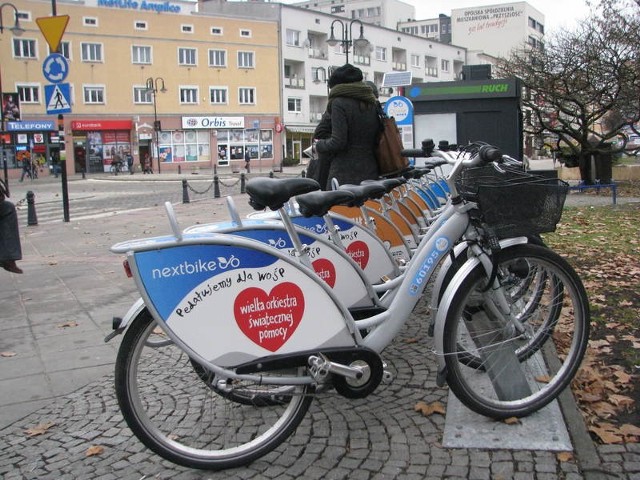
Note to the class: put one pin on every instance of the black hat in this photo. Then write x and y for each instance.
(345, 74)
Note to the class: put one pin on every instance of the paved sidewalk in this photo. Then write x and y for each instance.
(55, 369)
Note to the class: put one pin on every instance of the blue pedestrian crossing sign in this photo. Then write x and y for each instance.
(55, 68)
(58, 98)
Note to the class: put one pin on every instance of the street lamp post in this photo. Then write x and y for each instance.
(346, 30)
(17, 30)
(153, 84)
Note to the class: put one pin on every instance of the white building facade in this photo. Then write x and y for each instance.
(308, 59)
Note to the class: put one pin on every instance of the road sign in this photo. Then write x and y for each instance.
(55, 68)
(58, 98)
(53, 28)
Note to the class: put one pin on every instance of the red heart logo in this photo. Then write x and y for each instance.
(269, 320)
(359, 252)
(325, 270)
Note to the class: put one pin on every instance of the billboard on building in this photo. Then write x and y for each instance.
(10, 107)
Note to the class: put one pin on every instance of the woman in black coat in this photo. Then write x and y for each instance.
(355, 125)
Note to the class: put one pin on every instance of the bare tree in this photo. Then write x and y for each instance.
(582, 87)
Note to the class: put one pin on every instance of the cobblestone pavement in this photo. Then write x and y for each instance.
(61, 376)
(380, 437)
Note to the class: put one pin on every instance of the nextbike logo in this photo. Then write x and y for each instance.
(418, 283)
(195, 267)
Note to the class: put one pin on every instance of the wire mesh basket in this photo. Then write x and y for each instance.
(514, 202)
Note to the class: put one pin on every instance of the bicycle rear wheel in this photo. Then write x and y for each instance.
(521, 363)
(175, 412)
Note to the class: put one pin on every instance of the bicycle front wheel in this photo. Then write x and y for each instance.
(523, 359)
(174, 410)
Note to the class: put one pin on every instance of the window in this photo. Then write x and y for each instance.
(245, 33)
(24, 48)
(218, 95)
(187, 56)
(142, 95)
(246, 96)
(217, 58)
(140, 25)
(189, 95)
(93, 94)
(91, 52)
(415, 60)
(319, 74)
(216, 31)
(90, 21)
(245, 60)
(444, 65)
(186, 28)
(381, 54)
(293, 38)
(141, 54)
(64, 49)
(29, 93)
(294, 104)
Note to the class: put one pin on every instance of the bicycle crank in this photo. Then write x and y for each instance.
(355, 373)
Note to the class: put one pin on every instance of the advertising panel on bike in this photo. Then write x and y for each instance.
(233, 305)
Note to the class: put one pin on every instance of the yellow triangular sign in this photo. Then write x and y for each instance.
(53, 28)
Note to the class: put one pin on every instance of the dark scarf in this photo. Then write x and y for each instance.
(358, 90)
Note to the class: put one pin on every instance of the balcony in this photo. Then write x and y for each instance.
(294, 82)
(400, 66)
(317, 53)
(315, 117)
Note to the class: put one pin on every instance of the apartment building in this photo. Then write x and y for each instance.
(489, 30)
(308, 60)
(384, 13)
(193, 84)
(210, 85)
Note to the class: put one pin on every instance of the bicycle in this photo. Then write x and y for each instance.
(284, 336)
(116, 167)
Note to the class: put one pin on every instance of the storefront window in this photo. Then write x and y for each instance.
(184, 146)
(106, 147)
(233, 143)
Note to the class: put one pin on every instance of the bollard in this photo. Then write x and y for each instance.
(303, 173)
(271, 174)
(32, 219)
(216, 187)
(83, 175)
(242, 182)
(179, 172)
(185, 191)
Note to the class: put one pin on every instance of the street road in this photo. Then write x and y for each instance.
(99, 197)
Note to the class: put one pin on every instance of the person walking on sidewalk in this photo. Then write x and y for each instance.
(26, 169)
(10, 248)
(247, 160)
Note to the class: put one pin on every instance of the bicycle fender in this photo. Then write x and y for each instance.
(445, 304)
(121, 324)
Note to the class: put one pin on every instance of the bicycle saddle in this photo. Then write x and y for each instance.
(318, 203)
(275, 192)
(364, 192)
(388, 183)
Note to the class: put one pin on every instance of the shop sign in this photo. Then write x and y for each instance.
(93, 125)
(31, 126)
(158, 7)
(212, 122)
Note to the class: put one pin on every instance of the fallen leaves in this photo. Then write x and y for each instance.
(40, 429)
(94, 450)
(8, 354)
(69, 324)
(428, 409)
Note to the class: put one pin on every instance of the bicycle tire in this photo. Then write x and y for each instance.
(510, 382)
(172, 411)
(525, 286)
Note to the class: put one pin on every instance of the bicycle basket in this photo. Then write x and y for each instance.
(514, 202)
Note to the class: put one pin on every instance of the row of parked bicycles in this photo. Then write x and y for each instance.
(242, 323)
